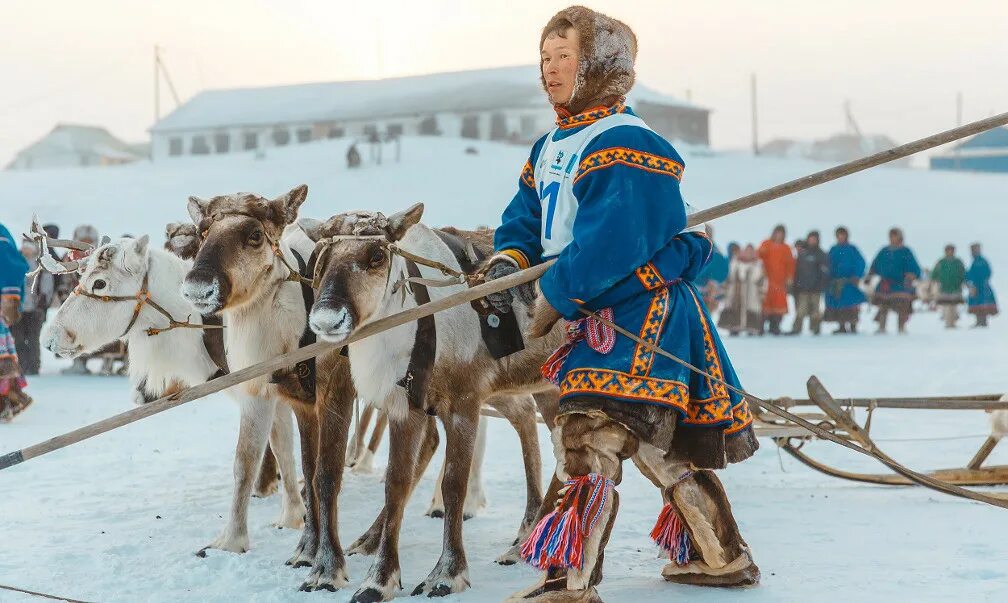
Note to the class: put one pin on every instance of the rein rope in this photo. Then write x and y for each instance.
(143, 298)
(871, 451)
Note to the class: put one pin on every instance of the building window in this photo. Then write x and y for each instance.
(250, 141)
(371, 133)
(175, 146)
(222, 142)
(470, 126)
(304, 135)
(394, 130)
(336, 132)
(281, 137)
(528, 126)
(429, 126)
(199, 146)
(498, 127)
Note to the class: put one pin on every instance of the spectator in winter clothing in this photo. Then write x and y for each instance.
(600, 193)
(812, 273)
(35, 302)
(843, 297)
(779, 264)
(982, 302)
(13, 267)
(949, 276)
(897, 269)
(744, 291)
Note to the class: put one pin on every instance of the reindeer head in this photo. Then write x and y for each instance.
(84, 324)
(239, 237)
(352, 267)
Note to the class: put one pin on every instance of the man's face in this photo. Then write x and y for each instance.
(560, 65)
(841, 237)
(812, 241)
(895, 239)
(949, 252)
(778, 235)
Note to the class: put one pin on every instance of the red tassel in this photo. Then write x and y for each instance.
(670, 534)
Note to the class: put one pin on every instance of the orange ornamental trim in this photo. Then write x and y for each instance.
(711, 358)
(517, 256)
(649, 276)
(629, 157)
(566, 121)
(651, 330)
(528, 175)
(621, 385)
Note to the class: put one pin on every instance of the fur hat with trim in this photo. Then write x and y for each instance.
(608, 49)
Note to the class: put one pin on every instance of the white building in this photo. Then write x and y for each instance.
(69, 145)
(505, 104)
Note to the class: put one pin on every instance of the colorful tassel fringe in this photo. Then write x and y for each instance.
(671, 535)
(601, 338)
(558, 539)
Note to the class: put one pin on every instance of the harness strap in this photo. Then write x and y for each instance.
(306, 369)
(421, 361)
(213, 341)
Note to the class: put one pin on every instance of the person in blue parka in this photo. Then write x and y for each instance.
(843, 297)
(897, 269)
(600, 195)
(982, 302)
(13, 268)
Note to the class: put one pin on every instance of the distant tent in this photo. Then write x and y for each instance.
(985, 152)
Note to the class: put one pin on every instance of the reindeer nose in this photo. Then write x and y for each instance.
(201, 289)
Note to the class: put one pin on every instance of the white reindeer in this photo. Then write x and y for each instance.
(172, 359)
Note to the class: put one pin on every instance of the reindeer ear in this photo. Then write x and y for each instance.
(399, 223)
(197, 209)
(288, 205)
(311, 227)
(140, 245)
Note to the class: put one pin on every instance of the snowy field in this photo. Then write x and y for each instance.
(118, 518)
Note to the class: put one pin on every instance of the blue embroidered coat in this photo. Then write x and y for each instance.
(847, 267)
(897, 267)
(629, 253)
(13, 266)
(981, 293)
(716, 269)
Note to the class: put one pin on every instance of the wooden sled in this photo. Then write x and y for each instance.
(840, 421)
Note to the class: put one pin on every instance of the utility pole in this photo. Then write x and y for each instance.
(755, 131)
(157, 84)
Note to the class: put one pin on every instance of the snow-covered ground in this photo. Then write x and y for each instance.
(117, 518)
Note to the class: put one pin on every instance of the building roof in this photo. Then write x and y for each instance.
(991, 139)
(78, 139)
(455, 92)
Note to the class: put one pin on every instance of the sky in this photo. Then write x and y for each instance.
(900, 63)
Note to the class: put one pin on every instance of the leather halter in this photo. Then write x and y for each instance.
(143, 298)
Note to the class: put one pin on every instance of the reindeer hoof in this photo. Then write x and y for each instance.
(436, 513)
(368, 595)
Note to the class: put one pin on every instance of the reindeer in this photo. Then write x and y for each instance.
(159, 364)
(243, 269)
(359, 260)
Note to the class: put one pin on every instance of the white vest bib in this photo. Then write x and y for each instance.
(554, 174)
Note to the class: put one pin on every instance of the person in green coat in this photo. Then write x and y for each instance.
(949, 276)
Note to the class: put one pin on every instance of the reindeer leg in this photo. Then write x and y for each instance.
(451, 573)
(308, 428)
(256, 422)
(476, 500)
(520, 411)
(282, 443)
(268, 482)
(365, 460)
(357, 443)
(367, 543)
(383, 578)
(329, 571)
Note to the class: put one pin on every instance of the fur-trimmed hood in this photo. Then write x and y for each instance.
(608, 49)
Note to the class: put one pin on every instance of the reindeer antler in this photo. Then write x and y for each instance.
(46, 261)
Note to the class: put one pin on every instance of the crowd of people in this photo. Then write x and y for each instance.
(751, 285)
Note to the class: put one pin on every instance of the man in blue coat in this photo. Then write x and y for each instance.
(843, 297)
(982, 302)
(600, 194)
(897, 269)
(13, 268)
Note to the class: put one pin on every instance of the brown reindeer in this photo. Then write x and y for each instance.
(363, 274)
(243, 270)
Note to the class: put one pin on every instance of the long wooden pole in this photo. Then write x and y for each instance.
(464, 297)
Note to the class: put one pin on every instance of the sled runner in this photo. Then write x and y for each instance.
(840, 420)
